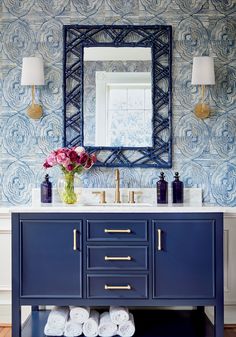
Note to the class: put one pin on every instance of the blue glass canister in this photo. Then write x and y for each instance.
(177, 190)
(162, 190)
(46, 191)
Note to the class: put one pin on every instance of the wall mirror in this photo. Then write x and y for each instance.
(117, 93)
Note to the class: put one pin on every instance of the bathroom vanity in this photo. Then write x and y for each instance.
(138, 257)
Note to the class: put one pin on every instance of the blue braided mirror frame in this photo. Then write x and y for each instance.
(159, 39)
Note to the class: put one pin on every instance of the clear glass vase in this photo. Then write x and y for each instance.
(69, 187)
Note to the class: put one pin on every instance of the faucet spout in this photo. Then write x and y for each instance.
(117, 192)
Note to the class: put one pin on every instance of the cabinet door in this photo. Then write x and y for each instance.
(50, 258)
(183, 258)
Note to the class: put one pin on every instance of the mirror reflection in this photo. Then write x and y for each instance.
(117, 97)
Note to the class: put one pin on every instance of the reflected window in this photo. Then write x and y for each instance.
(123, 109)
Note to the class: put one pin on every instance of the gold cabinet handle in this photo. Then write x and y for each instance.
(107, 287)
(117, 230)
(74, 239)
(117, 258)
(159, 247)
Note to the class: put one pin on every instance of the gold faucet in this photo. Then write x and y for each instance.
(117, 192)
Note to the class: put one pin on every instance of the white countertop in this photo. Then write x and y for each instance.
(145, 203)
(61, 208)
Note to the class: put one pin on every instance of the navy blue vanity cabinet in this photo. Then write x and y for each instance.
(130, 259)
(51, 258)
(184, 258)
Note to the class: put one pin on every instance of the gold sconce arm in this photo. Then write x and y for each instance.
(34, 111)
(202, 110)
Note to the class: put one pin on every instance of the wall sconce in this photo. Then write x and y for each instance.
(203, 74)
(33, 74)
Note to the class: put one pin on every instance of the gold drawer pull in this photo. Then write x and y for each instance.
(74, 239)
(159, 247)
(117, 230)
(107, 287)
(117, 258)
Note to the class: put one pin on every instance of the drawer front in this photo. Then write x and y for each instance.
(119, 286)
(117, 230)
(117, 258)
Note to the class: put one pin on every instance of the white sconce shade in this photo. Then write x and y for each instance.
(32, 71)
(203, 71)
(33, 74)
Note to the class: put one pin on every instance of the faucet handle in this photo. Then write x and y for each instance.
(132, 194)
(102, 194)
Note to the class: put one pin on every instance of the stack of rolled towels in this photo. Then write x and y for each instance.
(75, 321)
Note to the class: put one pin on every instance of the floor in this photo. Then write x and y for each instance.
(6, 332)
(230, 332)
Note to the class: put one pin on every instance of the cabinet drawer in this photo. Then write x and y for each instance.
(119, 286)
(117, 258)
(117, 230)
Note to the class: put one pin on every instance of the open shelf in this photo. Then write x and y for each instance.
(149, 323)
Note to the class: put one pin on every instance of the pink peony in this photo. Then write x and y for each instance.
(66, 162)
(70, 167)
(46, 165)
(94, 158)
(79, 150)
(51, 159)
(61, 158)
(83, 158)
(73, 155)
(88, 164)
(62, 150)
(70, 160)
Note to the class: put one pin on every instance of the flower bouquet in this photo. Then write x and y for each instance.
(71, 161)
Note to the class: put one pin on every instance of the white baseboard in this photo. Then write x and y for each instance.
(5, 314)
(229, 314)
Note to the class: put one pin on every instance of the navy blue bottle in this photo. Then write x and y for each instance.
(177, 190)
(46, 191)
(162, 190)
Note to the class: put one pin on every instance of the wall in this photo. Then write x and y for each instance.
(204, 151)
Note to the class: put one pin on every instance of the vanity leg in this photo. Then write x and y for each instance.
(16, 318)
(16, 305)
(219, 320)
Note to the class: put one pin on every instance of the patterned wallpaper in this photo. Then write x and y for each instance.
(204, 151)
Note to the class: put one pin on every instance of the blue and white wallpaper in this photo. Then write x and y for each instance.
(204, 152)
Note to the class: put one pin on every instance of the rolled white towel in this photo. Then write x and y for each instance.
(73, 329)
(57, 317)
(79, 314)
(106, 327)
(119, 314)
(90, 327)
(127, 329)
(52, 331)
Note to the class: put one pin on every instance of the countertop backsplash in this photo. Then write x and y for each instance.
(192, 197)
